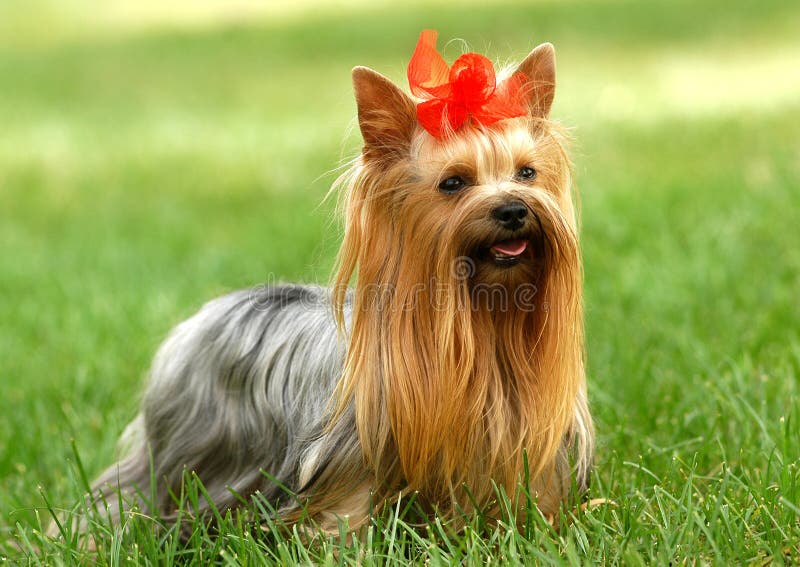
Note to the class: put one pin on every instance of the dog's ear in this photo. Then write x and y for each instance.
(386, 115)
(540, 68)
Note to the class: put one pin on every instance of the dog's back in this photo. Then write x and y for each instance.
(238, 390)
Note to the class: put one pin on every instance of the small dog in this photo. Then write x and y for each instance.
(454, 363)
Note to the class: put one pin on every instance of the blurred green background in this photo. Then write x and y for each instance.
(154, 155)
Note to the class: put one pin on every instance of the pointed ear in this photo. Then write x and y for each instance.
(540, 68)
(386, 115)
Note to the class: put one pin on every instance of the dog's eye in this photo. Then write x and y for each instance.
(452, 184)
(526, 173)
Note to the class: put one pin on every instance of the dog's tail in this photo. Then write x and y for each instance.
(126, 485)
(121, 488)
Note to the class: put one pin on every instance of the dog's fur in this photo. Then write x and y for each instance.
(438, 373)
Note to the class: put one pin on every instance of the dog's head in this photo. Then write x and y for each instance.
(490, 203)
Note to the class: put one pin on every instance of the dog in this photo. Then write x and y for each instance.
(445, 360)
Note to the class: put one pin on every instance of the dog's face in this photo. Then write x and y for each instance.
(492, 201)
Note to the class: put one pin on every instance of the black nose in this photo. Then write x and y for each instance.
(510, 215)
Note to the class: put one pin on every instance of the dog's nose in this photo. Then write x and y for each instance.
(510, 215)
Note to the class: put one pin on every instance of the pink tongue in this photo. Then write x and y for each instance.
(511, 247)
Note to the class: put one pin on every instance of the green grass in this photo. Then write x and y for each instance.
(144, 172)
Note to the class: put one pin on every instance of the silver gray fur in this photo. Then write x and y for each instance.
(241, 387)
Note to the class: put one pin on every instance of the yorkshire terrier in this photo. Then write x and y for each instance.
(447, 358)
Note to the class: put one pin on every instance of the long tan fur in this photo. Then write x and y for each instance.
(451, 386)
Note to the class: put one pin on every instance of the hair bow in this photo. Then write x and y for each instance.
(467, 90)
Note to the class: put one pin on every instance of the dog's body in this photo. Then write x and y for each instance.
(457, 355)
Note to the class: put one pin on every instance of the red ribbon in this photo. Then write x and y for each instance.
(467, 90)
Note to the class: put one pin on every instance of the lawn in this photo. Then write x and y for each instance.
(149, 165)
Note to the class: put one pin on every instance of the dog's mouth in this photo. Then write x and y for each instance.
(505, 253)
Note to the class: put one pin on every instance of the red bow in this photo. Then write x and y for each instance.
(466, 90)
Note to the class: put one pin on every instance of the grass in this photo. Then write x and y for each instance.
(146, 171)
